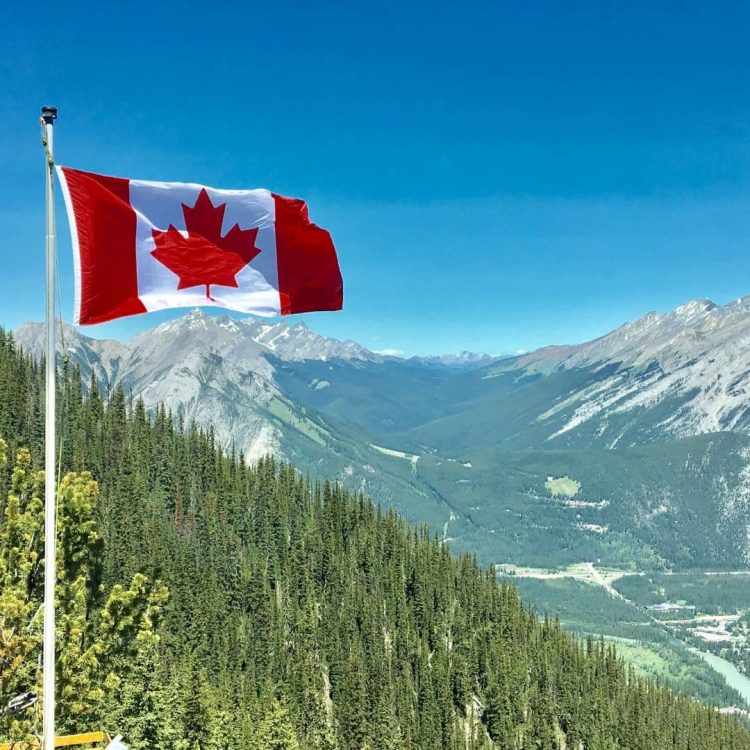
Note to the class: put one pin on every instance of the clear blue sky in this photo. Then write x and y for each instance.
(497, 176)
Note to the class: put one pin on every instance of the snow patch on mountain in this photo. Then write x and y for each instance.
(463, 360)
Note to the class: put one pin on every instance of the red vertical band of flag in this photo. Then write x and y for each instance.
(105, 222)
(309, 274)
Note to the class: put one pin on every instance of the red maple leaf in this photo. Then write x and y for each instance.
(204, 257)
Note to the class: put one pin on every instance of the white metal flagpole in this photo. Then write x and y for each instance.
(49, 115)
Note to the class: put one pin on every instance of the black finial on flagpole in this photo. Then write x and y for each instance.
(49, 114)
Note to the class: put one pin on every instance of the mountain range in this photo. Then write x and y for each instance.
(648, 425)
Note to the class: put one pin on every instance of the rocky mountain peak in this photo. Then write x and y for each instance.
(694, 309)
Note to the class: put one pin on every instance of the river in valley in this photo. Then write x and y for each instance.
(731, 674)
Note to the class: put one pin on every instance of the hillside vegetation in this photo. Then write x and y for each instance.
(220, 606)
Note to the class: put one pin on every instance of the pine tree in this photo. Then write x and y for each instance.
(276, 730)
(96, 636)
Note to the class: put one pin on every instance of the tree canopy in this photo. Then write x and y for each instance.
(214, 605)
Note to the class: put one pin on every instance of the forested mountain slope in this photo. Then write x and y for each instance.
(469, 450)
(301, 616)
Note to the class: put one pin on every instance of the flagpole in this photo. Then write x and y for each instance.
(49, 115)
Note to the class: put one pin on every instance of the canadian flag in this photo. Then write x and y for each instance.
(141, 246)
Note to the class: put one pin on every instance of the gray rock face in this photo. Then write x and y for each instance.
(697, 355)
(213, 370)
(665, 375)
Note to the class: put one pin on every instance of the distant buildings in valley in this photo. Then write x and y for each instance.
(507, 569)
(668, 609)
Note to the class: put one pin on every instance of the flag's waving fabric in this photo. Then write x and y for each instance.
(141, 246)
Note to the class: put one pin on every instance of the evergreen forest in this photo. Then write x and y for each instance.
(208, 605)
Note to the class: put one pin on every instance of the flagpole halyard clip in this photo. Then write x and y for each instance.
(45, 143)
(49, 115)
